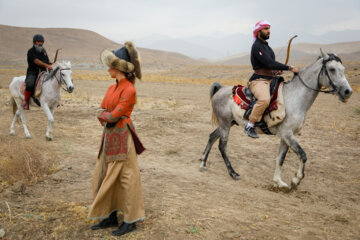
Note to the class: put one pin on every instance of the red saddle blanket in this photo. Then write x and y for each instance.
(38, 85)
(243, 101)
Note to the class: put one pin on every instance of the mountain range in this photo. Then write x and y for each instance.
(83, 48)
(78, 45)
(223, 46)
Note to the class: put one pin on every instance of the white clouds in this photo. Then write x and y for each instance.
(139, 18)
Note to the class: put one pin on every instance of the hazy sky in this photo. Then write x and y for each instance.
(134, 19)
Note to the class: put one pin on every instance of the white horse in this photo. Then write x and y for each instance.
(299, 94)
(49, 97)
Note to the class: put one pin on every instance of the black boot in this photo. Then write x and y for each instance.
(112, 221)
(124, 228)
(250, 131)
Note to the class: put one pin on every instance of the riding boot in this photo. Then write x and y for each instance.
(250, 131)
(124, 228)
(112, 221)
(27, 95)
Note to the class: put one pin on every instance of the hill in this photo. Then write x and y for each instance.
(82, 47)
(303, 53)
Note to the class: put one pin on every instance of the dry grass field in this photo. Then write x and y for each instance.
(172, 118)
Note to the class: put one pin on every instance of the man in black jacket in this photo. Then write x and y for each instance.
(37, 61)
(266, 68)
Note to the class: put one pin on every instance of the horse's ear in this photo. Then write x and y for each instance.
(324, 55)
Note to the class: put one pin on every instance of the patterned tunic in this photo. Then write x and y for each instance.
(118, 104)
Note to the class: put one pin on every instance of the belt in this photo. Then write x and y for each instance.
(266, 72)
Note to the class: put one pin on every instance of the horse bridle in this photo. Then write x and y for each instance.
(332, 57)
(61, 80)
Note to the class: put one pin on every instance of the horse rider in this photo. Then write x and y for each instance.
(265, 69)
(38, 61)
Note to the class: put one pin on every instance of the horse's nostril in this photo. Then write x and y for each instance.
(348, 92)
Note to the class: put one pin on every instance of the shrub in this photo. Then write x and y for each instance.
(25, 160)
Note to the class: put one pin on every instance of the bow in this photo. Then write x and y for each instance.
(56, 54)
(288, 49)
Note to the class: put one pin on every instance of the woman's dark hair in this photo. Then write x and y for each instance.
(130, 76)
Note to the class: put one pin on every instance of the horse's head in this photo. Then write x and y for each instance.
(332, 76)
(65, 75)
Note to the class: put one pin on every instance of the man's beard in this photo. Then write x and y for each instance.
(39, 48)
(263, 36)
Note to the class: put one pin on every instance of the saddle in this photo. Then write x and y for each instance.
(273, 115)
(38, 86)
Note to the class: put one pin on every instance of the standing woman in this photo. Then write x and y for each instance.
(116, 181)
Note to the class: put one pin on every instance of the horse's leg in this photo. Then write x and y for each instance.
(22, 117)
(224, 134)
(283, 149)
(12, 130)
(19, 113)
(294, 145)
(50, 116)
(212, 138)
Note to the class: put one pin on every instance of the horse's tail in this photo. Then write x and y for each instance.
(13, 105)
(213, 89)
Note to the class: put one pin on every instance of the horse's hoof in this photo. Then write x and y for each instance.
(28, 137)
(203, 169)
(235, 176)
(48, 138)
(280, 184)
(293, 185)
(12, 133)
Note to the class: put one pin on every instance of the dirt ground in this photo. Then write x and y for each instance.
(173, 121)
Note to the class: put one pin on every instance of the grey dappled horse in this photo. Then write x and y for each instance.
(299, 94)
(49, 97)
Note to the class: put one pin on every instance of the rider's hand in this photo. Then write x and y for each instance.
(295, 70)
(49, 67)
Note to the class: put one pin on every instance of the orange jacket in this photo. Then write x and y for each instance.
(118, 103)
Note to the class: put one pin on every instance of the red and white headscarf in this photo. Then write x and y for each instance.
(258, 26)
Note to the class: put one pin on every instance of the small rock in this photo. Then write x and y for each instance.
(2, 233)
(18, 187)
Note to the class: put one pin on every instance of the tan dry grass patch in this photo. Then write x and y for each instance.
(25, 160)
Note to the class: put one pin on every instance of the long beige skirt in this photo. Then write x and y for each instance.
(118, 188)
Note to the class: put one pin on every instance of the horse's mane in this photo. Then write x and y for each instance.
(60, 65)
(332, 56)
(305, 68)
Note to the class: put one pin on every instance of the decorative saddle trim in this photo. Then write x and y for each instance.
(243, 100)
(272, 116)
(239, 96)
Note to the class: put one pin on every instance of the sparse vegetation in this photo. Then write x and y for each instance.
(193, 230)
(25, 161)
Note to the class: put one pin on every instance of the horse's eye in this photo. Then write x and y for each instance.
(332, 70)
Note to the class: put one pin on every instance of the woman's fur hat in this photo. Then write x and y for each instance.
(125, 59)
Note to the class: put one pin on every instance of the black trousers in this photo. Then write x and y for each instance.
(30, 81)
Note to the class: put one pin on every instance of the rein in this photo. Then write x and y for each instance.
(61, 80)
(332, 57)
